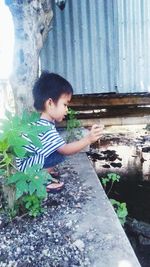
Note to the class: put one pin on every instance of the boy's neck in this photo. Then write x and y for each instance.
(45, 116)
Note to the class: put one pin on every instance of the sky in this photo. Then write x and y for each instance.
(6, 41)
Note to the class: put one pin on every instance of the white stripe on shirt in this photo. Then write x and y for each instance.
(51, 141)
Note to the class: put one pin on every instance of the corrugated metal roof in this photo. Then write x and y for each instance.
(101, 45)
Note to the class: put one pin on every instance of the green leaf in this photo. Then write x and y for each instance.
(20, 152)
(4, 145)
(32, 187)
(35, 140)
(18, 193)
(123, 210)
(16, 141)
(16, 177)
(15, 122)
(104, 181)
(28, 204)
(31, 171)
(21, 188)
(114, 177)
(30, 117)
(41, 192)
(120, 209)
(114, 202)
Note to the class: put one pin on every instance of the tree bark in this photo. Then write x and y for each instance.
(32, 22)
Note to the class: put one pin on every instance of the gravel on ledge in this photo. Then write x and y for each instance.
(47, 240)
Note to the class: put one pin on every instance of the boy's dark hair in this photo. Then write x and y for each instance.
(49, 85)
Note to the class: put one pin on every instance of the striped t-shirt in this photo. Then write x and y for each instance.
(51, 141)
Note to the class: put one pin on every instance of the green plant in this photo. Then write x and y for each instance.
(72, 124)
(17, 132)
(14, 131)
(33, 204)
(120, 208)
(31, 181)
(111, 177)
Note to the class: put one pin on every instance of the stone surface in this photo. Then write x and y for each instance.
(108, 245)
(78, 227)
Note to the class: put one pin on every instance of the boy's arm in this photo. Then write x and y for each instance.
(74, 147)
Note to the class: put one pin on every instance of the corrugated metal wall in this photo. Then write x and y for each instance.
(101, 45)
(134, 45)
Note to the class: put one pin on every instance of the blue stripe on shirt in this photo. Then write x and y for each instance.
(51, 141)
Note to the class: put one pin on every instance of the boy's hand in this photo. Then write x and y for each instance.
(95, 133)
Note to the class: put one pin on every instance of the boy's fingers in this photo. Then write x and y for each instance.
(95, 126)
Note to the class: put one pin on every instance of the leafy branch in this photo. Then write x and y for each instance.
(111, 177)
(18, 132)
(22, 187)
(31, 181)
(120, 208)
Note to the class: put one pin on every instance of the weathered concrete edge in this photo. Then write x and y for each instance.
(109, 245)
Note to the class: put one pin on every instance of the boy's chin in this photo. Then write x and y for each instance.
(61, 119)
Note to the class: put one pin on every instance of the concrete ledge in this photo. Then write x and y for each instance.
(108, 245)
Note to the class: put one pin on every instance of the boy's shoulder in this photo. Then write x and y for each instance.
(49, 125)
(43, 122)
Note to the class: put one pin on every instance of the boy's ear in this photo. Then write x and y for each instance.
(48, 103)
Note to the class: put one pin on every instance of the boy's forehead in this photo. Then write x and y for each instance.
(66, 97)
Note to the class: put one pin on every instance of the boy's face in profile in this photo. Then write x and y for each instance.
(58, 110)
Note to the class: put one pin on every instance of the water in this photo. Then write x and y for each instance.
(130, 158)
(133, 166)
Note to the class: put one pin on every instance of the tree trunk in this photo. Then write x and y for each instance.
(32, 20)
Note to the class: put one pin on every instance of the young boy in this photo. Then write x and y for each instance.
(52, 94)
